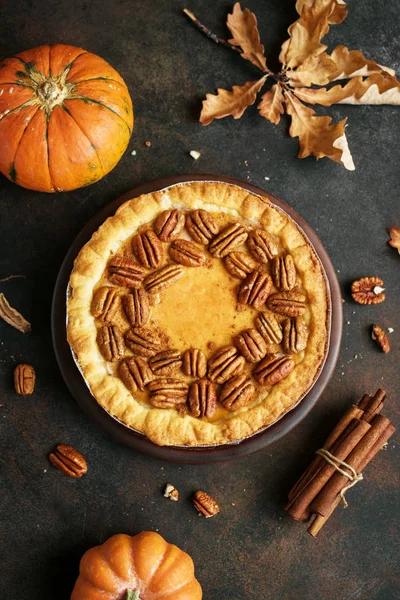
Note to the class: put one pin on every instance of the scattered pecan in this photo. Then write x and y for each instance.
(135, 373)
(240, 264)
(368, 290)
(269, 328)
(187, 253)
(283, 272)
(171, 492)
(204, 504)
(273, 368)
(125, 271)
(194, 363)
(290, 304)
(142, 341)
(225, 363)
(68, 460)
(24, 379)
(111, 342)
(202, 398)
(251, 345)
(381, 338)
(148, 249)
(201, 226)
(137, 307)
(295, 335)
(262, 245)
(165, 362)
(167, 392)
(237, 392)
(105, 304)
(169, 224)
(255, 289)
(163, 278)
(230, 238)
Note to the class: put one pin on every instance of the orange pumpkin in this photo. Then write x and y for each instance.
(143, 567)
(65, 118)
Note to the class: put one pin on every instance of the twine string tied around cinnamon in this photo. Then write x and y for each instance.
(336, 463)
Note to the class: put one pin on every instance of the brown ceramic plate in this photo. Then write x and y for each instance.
(137, 441)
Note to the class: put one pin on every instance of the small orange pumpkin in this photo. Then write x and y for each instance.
(143, 567)
(66, 118)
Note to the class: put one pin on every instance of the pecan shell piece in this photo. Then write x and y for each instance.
(262, 245)
(283, 272)
(105, 304)
(111, 342)
(237, 392)
(295, 335)
(168, 392)
(163, 278)
(24, 379)
(269, 328)
(142, 342)
(290, 304)
(240, 264)
(68, 460)
(135, 373)
(202, 398)
(251, 345)
(368, 290)
(194, 363)
(201, 226)
(227, 240)
(187, 253)
(148, 249)
(225, 363)
(379, 335)
(169, 224)
(205, 504)
(255, 289)
(137, 307)
(273, 368)
(165, 362)
(125, 272)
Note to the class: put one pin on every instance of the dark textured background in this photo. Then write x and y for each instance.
(252, 550)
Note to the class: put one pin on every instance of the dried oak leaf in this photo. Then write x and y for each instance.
(12, 316)
(232, 103)
(271, 105)
(395, 238)
(243, 26)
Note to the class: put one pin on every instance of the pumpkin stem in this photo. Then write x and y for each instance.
(132, 595)
(51, 93)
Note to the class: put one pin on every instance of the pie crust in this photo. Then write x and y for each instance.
(200, 311)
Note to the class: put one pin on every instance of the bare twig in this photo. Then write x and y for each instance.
(12, 277)
(215, 38)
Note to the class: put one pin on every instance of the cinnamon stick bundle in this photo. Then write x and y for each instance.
(359, 435)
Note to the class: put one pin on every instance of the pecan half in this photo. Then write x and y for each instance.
(201, 226)
(381, 338)
(230, 238)
(255, 289)
(262, 245)
(283, 272)
(125, 271)
(237, 392)
(105, 303)
(273, 368)
(169, 224)
(240, 264)
(165, 362)
(137, 307)
(24, 379)
(167, 392)
(142, 341)
(135, 373)
(111, 342)
(225, 364)
(163, 278)
(251, 345)
(269, 328)
(68, 460)
(202, 398)
(148, 249)
(368, 290)
(295, 335)
(290, 304)
(194, 363)
(204, 504)
(187, 253)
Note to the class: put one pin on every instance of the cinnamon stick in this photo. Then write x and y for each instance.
(375, 405)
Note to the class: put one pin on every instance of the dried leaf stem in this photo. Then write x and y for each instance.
(212, 36)
(12, 277)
